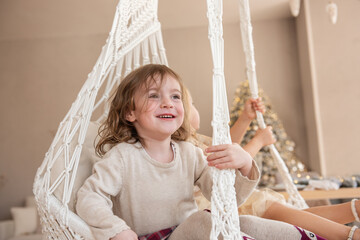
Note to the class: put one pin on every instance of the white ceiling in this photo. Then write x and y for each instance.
(187, 13)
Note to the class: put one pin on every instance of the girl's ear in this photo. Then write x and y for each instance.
(130, 116)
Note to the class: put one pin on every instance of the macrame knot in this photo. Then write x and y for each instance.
(68, 169)
(218, 72)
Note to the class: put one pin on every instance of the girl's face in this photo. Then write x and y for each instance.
(159, 111)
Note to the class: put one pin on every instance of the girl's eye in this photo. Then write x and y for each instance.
(176, 96)
(153, 95)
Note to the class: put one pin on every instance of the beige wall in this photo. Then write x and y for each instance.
(334, 72)
(305, 49)
(46, 52)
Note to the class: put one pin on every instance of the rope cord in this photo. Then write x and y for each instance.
(246, 32)
(224, 213)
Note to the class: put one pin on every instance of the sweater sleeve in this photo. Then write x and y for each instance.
(94, 203)
(243, 185)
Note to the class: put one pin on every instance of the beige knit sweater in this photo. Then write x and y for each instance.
(130, 190)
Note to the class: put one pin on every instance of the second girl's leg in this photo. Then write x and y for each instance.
(340, 213)
(261, 228)
(307, 220)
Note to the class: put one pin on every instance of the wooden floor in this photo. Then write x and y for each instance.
(328, 194)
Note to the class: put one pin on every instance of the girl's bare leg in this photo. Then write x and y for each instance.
(307, 220)
(340, 213)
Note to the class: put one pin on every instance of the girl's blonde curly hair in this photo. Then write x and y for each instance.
(117, 128)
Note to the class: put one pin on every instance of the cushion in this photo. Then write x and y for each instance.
(31, 202)
(25, 220)
(29, 237)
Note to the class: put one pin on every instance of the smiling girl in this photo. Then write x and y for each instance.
(144, 183)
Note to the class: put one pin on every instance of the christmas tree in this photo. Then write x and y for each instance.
(284, 145)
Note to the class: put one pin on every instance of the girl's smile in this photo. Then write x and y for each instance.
(166, 116)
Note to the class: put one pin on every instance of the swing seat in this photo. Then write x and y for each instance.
(135, 39)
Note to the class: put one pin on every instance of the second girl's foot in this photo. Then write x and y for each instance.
(355, 209)
(354, 233)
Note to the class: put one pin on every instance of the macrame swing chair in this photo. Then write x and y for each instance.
(135, 39)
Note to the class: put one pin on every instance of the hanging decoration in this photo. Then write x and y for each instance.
(332, 11)
(295, 7)
(330, 8)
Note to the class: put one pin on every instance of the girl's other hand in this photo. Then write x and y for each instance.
(265, 136)
(125, 235)
(253, 105)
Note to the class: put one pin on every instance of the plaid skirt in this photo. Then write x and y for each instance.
(159, 235)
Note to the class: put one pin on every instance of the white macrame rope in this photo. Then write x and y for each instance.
(246, 32)
(224, 212)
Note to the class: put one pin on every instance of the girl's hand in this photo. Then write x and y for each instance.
(251, 106)
(229, 156)
(265, 136)
(125, 235)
